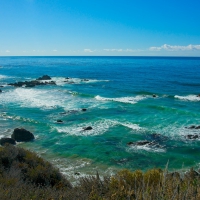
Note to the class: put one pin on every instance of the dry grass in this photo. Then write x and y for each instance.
(24, 175)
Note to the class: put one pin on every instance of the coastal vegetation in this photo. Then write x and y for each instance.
(25, 175)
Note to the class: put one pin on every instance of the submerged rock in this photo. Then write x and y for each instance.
(154, 95)
(22, 135)
(84, 109)
(3, 141)
(192, 137)
(87, 128)
(59, 121)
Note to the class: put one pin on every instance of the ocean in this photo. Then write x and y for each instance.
(127, 99)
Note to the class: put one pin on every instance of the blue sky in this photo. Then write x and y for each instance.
(100, 27)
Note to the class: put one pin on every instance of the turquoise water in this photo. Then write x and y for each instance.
(118, 96)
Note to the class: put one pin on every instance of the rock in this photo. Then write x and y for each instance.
(198, 95)
(44, 77)
(87, 128)
(59, 121)
(1, 86)
(140, 143)
(158, 137)
(32, 83)
(0, 91)
(84, 109)
(77, 173)
(67, 78)
(22, 135)
(63, 113)
(192, 137)
(154, 95)
(194, 127)
(3, 141)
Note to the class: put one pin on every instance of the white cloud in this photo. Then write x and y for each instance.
(88, 51)
(121, 50)
(7, 51)
(175, 48)
(55, 50)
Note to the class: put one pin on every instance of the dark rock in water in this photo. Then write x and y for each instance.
(67, 78)
(158, 137)
(3, 141)
(192, 137)
(44, 77)
(0, 91)
(1, 86)
(77, 173)
(30, 85)
(84, 109)
(154, 95)
(22, 135)
(198, 95)
(87, 128)
(194, 127)
(63, 113)
(59, 121)
(140, 143)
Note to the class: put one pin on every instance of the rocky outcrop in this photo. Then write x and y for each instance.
(44, 77)
(4, 141)
(22, 135)
(34, 83)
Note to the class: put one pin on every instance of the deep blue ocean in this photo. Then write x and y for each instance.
(118, 95)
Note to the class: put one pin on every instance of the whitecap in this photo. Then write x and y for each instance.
(188, 98)
(99, 127)
(147, 148)
(131, 100)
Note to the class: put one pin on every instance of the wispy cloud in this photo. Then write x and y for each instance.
(7, 51)
(88, 50)
(175, 48)
(55, 50)
(120, 50)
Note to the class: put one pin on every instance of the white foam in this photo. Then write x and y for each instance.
(188, 98)
(99, 128)
(131, 100)
(3, 77)
(63, 81)
(33, 98)
(140, 148)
